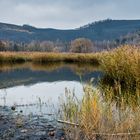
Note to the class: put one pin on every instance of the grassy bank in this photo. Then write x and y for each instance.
(18, 57)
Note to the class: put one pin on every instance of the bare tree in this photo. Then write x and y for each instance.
(47, 46)
(33, 46)
(2, 46)
(81, 45)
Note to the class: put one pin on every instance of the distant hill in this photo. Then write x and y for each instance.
(101, 30)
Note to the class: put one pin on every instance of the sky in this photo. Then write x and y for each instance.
(66, 14)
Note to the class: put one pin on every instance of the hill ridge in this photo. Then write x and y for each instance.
(96, 31)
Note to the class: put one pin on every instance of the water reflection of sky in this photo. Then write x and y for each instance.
(46, 93)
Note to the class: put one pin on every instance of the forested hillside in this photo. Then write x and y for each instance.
(97, 31)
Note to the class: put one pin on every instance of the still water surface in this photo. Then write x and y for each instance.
(37, 89)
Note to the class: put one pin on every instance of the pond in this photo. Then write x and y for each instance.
(41, 93)
(36, 89)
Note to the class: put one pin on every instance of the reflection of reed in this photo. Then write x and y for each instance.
(79, 69)
(76, 67)
(3, 96)
(5, 67)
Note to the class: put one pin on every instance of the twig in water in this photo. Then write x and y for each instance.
(66, 122)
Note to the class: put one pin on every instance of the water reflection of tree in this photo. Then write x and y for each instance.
(83, 69)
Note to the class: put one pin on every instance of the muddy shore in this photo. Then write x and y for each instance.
(16, 126)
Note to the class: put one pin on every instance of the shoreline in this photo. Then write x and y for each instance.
(22, 127)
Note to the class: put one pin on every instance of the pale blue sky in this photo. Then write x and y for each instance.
(65, 14)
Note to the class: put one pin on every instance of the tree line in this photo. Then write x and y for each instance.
(79, 45)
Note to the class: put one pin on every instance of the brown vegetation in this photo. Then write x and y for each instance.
(37, 57)
(112, 109)
(81, 45)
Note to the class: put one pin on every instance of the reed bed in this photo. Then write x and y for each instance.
(122, 65)
(37, 57)
(13, 57)
(100, 117)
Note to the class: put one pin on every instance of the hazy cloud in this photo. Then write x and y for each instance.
(66, 13)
